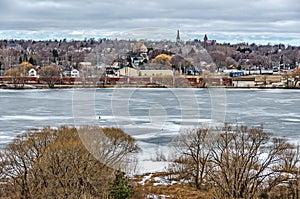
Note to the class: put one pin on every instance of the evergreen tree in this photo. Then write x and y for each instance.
(32, 61)
(121, 189)
(55, 53)
(20, 60)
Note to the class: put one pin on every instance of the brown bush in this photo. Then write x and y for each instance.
(54, 163)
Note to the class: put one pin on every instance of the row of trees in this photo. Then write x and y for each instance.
(245, 56)
(103, 51)
(237, 162)
(51, 74)
(226, 162)
(54, 163)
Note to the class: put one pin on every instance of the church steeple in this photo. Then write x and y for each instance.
(205, 40)
(178, 36)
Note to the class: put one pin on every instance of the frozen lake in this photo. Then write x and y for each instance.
(153, 116)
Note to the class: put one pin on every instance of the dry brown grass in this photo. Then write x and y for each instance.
(175, 191)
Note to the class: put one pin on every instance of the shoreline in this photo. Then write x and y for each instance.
(64, 86)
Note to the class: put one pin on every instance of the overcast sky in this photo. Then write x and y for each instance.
(228, 20)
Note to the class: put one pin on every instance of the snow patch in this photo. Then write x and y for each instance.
(153, 196)
(146, 178)
(152, 166)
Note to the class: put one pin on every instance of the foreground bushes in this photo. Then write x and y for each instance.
(237, 162)
(54, 163)
(227, 162)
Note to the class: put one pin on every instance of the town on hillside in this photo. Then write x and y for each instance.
(111, 62)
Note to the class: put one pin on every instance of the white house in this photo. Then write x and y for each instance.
(32, 73)
(74, 73)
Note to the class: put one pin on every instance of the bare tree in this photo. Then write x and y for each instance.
(18, 158)
(194, 149)
(54, 163)
(219, 58)
(289, 167)
(109, 145)
(236, 161)
(50, 74)
(243, 161)
(18, 74)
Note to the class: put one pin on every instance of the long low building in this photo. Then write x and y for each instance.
(152, 73)
(252, 81)
(129, 72)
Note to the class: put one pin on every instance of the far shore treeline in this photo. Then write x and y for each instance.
(202, 62)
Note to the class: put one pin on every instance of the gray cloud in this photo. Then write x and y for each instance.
(214, 16)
